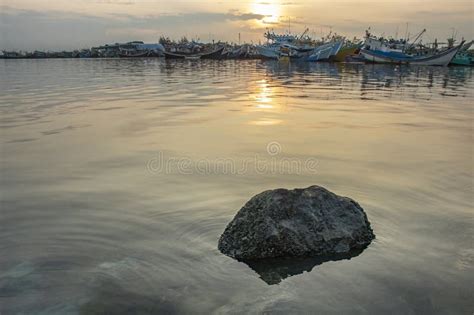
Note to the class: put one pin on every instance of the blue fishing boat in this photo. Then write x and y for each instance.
(325, 51)
(285, 44)
(442, 58)
(380, 50)
(464, 57)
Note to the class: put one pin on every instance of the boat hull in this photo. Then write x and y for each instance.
(463, 60)
(268, 52)
(345, 52)
(439, 59)
(135, 55)
(464, 57)
(336, 48)
(325, 52)
(216, 54)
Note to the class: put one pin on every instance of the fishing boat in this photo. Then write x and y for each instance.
(346, 51)
(239, 52)
(464, 57)
(215, 54)
(11, 55)
(326, 51)
(299, 46)
(133, 54)
(271, 50)
(268, 52)
(442, 58)
(286, 53)
(399, 51)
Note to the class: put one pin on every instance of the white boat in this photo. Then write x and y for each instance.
(325, 51)
(269, 51)
(442, 58)
(338, 45)
(298, 45)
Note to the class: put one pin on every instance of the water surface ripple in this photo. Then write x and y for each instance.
(98, 217)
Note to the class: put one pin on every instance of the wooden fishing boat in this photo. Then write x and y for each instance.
(294, 46)
(345, 52)
(268, 51)
(325, 51)
(11, 55)
(216, 54)
(464, 57)
(133, 54)
(438, 59)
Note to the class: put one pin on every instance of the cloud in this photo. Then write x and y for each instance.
(247, 16)
(281, 4)
(272, 22)
(116, 2)
(30, 29)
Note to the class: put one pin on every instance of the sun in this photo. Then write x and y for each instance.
(270, 8)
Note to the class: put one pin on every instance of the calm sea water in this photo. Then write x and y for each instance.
(118, 177)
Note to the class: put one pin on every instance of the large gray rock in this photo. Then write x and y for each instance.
(296, 223)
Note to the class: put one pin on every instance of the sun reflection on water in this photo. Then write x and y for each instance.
(264, 96)
(266, 104)
(266, 122)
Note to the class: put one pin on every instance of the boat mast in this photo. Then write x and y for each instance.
(304, 33)
(419, 35)
(406, 33)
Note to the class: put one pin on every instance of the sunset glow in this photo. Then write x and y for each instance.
(271, 10)
(64, 24)
(236, 157)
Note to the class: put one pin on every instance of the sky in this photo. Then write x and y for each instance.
(74, 24)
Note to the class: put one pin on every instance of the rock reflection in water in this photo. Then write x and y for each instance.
(274, 270)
